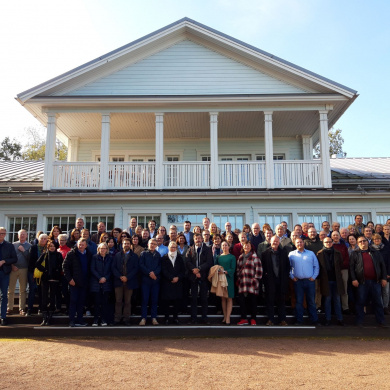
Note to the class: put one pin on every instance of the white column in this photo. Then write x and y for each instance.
(50, 150)
(159, 170)
(269, 150)
(105, 151)
(324, 145)
(73, 148)
(214, 171)
(307, 147)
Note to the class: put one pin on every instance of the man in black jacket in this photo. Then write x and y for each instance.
(276, 268)
(199, 260)
(76, 268)
(7, 258)
(368, 275)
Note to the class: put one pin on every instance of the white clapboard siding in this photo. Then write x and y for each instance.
(186, 69)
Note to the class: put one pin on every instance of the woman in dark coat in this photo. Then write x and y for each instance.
(50, 280)
(171, 287)
(101, 285)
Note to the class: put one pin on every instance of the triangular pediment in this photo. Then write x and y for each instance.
(186, 68)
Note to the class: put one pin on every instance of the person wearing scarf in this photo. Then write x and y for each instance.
(331, 281)
(173, 272)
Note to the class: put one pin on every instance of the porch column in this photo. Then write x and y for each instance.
(50, 150)
(307, 147)
(105, 151)
(214, 171)
(269, 150)
(73, 148)
(159, 170)
(324, 146)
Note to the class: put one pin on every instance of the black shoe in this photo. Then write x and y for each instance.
(166, 322)
(340, 323)
(359, 325)
(205, 321)
(116, 323)
(176, 321)
(4, 322)
(192, 321)
(347, 312)
(327, 323)
(28, 313)
(386, 311)
(127, 323)
(383, 326)
(298, 324)
(81, 324)
(316, 323)
(72, 324)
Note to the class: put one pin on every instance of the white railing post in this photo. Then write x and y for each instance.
(105, 151)
(324, 145)
(269, 150)
(159, 171)
(214, 172)
(50, 150)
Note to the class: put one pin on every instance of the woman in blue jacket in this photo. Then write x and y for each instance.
(101, 284)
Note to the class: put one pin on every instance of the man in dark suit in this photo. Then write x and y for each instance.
(276, 267)
(7, 258)
(199, 260)
(188, 234)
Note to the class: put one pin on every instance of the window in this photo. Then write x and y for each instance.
(172, 158)
(237, 220)
(382, 218)
(349, 218)
(206, 158)
(261, 157)
(91, 222)
(317, 219)
(178, 220)
(65, 222)
(113, 158)
(274, 219)
(26, 223)
(142, 159)
(144, 219)
(235, 158)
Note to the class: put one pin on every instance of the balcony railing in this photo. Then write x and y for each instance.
(243, 174)
(186, 175)
(298, 174)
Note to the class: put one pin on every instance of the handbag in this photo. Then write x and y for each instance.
(38, 274)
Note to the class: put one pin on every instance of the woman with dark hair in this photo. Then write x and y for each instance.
(111, 244)
(216, 248)
(247, 230)
(162, 230)
(123, 235)
(352, 244)
(50, 280)
(173, 272)
(116, 232)
(75, 235)
(229, 239)
(53, 235)
(182, 244)
(249, 273)
(101, 285)
(135, 245)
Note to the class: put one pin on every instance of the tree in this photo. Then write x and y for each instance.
(10, 150)
(336, 142)
(36, 146)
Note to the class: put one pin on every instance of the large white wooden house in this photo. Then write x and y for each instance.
(184, 123)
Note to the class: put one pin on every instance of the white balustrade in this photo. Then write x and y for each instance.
(75, 175)
(187, 175)
(298, 174)
(131, 175)
(242, 174)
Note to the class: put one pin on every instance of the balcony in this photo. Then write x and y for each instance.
(189, 175)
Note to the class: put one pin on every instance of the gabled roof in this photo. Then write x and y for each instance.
(361, 168)
(200, 31)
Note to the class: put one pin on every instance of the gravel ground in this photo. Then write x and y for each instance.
(195, 364)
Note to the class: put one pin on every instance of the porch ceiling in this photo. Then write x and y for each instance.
(249, 124)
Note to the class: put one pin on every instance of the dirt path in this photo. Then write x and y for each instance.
(195, 364)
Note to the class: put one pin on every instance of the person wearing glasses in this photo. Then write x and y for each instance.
(368, 275)
(331, 280)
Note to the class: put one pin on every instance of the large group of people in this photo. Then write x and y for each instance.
(105, 274)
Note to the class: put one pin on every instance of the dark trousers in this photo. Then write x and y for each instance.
(370, 288)
(4, 282)
(273, 294)
(175, 303)
(32, 288)
(204, 288)
(302, 287)
(248, 302)
(101, 305)
(49, 294)
(150, 290)
(77, 301)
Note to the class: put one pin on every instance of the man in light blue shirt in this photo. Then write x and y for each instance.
(161, 248)
(304, 271)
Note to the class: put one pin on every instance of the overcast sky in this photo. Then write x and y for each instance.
(345, 41)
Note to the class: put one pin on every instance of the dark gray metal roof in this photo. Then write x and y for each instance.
(199, 25)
